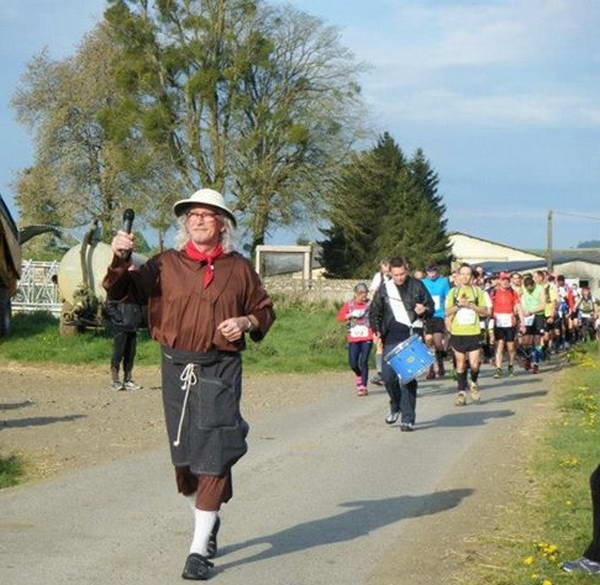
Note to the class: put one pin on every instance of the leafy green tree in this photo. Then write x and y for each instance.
(83, 169)
(256, 101)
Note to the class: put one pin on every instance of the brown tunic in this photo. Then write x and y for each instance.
(181, 312)
(184, 315)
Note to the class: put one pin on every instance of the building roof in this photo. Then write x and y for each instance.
(521, 265)
(586, 254)
(494, 243)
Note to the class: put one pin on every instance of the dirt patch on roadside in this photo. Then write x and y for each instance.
(65, 417)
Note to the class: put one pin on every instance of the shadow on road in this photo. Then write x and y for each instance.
(470, 418)
(38, 421)
(517, 396)
(363, 517)
(15, 405)
(510, 382)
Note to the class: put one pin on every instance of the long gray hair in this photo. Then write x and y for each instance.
(227, 236)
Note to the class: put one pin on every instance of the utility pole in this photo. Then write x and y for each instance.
(549, 255)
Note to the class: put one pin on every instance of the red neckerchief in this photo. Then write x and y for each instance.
(193, 253)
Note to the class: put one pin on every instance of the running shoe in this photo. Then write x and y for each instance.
(131, 385)
(391, 418)
(535, 369)
(461, 399)
(527, 364)
(474, 392)
(117, 385)
(362, 391)
(441, 371)
(511, 370)
(498, 373)
(407, 427)
(430, 374)
(378, 380)
(582, 565)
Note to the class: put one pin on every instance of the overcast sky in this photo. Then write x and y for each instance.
(502, 95)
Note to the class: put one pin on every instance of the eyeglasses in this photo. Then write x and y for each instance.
(203, 215)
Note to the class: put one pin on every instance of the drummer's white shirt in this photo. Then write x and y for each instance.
(398, 308)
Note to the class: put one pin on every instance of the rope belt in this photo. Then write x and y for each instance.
(189, 379)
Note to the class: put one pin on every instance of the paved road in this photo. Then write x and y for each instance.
(324, 492)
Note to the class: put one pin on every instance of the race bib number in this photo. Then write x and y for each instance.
(359, 331)
(466, 317)
(436, 302)
(504, 320)
(529, 320)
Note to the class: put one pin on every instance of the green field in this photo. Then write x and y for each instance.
(304, 339)
(550, 521)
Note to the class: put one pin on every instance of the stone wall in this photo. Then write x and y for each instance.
(323, 289)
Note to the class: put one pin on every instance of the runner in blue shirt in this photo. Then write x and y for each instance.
(435, 329)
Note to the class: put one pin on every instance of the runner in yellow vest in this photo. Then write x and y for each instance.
(465, 305)
(533, 302)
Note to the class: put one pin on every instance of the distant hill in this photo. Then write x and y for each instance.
(589, 244)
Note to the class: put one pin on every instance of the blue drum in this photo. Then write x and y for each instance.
(410, 358)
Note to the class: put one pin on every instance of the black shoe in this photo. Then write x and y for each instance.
(407, 427)
(197, 568)
(391, 418)
(212, 540)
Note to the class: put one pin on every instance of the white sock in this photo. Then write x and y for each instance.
(204, 522)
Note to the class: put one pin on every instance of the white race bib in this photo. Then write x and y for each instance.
(436, 301)
(529, 320)
(504, 320)
(466, 317)
(359, 331)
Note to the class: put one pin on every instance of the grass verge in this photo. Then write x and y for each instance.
(11, 471)
(548, 519)
(305, 338)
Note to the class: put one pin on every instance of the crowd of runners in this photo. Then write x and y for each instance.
(507, 320)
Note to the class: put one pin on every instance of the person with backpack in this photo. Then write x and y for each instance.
(399, 306)
(466, 304)
(360, 337)
(505, 308)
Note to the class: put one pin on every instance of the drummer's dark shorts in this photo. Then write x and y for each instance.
(465, 343)
(538, 327)
(435, 325)
(505, 333)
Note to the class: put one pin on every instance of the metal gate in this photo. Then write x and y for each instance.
(38, 289)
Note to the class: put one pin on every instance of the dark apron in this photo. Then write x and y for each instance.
(201, 397)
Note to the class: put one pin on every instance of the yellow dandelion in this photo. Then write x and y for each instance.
(528, 561)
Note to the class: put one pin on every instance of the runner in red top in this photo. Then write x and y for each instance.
(505, 307)
(360, 337)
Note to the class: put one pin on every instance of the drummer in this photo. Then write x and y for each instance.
(399, 306)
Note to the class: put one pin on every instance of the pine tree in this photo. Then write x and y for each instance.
(384, 206)
(359, 202)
